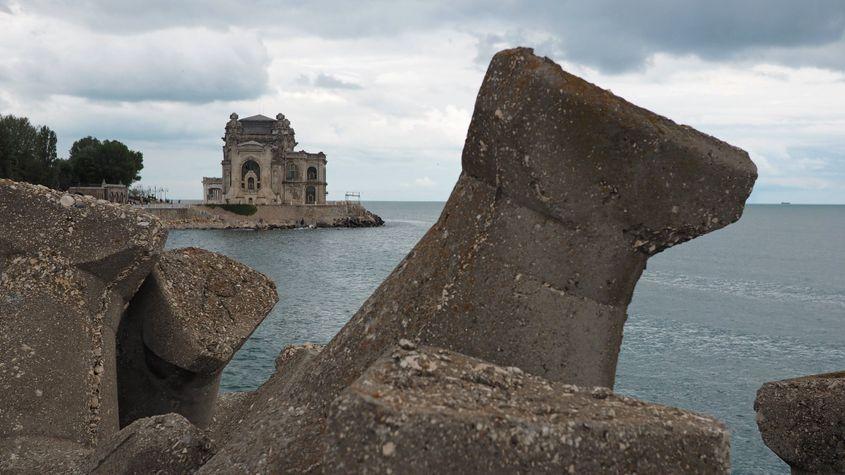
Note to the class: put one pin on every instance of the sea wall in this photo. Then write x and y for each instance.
(341, 214)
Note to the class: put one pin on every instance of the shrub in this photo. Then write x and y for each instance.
(243, 210)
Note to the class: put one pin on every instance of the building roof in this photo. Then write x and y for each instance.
(258, 118)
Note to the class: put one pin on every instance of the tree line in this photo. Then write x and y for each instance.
(28, 153)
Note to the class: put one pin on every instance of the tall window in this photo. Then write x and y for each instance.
(310, 195)
(251, 175)
(251, 166)
(293, 172)
(312, 173)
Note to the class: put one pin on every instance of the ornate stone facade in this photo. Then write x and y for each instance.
(260, 166)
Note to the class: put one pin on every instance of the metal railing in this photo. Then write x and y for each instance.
(168, 205)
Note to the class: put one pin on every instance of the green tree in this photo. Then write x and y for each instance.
(93, 162)
(27, 152)
(65, 176)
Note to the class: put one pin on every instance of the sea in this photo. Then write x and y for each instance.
(711, 320)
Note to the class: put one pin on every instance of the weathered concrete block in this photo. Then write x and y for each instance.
(229, 411)
(165, 444)
(435, 411)
(233, 407)
(279, 414)
(205, 305)
(186, 322)
(117, 244)
(67, 266)
(37, 455)
(803, 421)
(293, 357)
(566, 191)
(49, 339)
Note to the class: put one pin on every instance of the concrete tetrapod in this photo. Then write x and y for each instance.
(165, 445)
(803, 421)
(566, 191)
(192, 314)
(430, 410)
(69, 264)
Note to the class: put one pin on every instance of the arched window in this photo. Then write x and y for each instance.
(293, 172)
(310, 195)
(251, 166)
(312, 173)
(250, 176)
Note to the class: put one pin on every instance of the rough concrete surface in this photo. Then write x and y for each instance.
(206, 306)
(233, 407)
(192, 314)
(35, 455)
(116, 243)
(48, 385)
(68, 264)
(165, 444)
(803, 421)
(566, 191)
(229, 411)
(430, 410)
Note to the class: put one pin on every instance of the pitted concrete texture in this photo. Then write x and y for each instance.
(192, 314)
(294, 356)
(166, 444)
(803, 421)
(233, 408)
(50, 376)
(429, 410)
(229, 411)
(279, 414)
(206, 306)
(68, 265)
(116, 243)
(566, 191)
(35, 455)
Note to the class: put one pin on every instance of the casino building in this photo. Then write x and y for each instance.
(260, 166)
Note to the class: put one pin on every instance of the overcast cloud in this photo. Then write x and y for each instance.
(386, 88)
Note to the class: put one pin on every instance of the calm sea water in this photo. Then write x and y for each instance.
(711, 320)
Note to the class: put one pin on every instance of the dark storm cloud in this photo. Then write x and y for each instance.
(614, 35)
(622, 34)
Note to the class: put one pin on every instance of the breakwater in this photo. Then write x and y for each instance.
(346, 214)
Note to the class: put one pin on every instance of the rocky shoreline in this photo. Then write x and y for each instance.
(268, 217)
(491, 348)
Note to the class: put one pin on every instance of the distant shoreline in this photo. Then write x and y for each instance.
(198, 216)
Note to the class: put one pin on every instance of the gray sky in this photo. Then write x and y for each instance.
(386, 88)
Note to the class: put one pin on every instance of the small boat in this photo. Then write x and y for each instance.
(785, 203)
